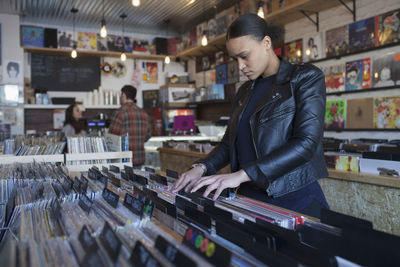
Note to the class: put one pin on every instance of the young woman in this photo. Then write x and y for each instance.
(274, 137)
(73, 121)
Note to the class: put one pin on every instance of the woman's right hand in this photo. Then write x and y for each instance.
(188, 179)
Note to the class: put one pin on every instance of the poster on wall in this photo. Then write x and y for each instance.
(12, 72)
(32, 36)
(152, 72)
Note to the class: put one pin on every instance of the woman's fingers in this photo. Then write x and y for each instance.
(202, 182)
(181, 183)
(211, 188)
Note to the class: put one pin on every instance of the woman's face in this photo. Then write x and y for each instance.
(252, 55)
(76, 113)
(12, 72)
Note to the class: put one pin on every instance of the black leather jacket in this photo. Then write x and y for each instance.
(287, 130)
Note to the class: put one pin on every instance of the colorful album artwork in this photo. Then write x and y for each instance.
(358, 74)
(66, 39)
(337, 41)
(362, 34)
(221, 74)
(335, 114)
(334, 78)
(151, 68)
(387, 112)
(386, 70)
(32, 36)
(387, 27)
(87, 40)
(342, 162)
(293, 51)
(312, 47)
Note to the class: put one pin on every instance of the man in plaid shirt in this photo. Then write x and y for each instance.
(134, 121)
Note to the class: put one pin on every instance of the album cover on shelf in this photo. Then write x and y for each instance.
(150, 98)
(362, 34)
(334, 78)
(66, 39)
(111, 43)
(211, 29)
(387, 27)
(335, 114)
(337, 41)
(360, 113)
(220, 58)
(221, 24)
(312, 47)
(387, 112)
(102, 44)
(32, 36)
(50, 38)
(87, 40)
(358, 74)
(293, 51)
(221, 74)
(232, 72)
(386, 70)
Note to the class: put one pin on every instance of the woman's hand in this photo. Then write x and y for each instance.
(187, 179)
(220, 182)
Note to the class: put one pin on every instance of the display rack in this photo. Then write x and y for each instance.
(115, 156)
(94, 53)
(52, 106)
(9, 159)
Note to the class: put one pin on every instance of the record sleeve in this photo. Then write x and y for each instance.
(387, 112)
(335, 114)
(221, 74)
(354, 75)
(362, 34)
(334, 78)
(387, 27)
(87, 40)
(32, 36)
(232, 72)
(66, 39)
(386, 70)
(337, 41)
(360, 113)
(101, 43)
(312, 47)
(293, 51)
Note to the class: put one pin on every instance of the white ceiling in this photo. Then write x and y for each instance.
(149, 17)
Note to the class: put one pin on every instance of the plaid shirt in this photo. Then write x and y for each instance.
(134, 121)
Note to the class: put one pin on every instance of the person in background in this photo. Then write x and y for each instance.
(273, 141)
(131, 120)
(74, 123)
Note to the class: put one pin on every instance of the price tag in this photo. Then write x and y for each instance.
(87, 241)
(141, 256)
(172, 253)
(208, 249)
(85, 203)
(110, 241)
(110, 197)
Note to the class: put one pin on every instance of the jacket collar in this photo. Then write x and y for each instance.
(284, 72)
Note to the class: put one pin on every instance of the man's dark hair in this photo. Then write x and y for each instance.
(69, 119)
(253, 25)
(14, 65)
(129, 91)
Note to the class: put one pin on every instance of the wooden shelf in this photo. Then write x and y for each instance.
(381, 180)
(9, 159)
(34, 106)
(292, 12)
(214, 45)
(94, 53)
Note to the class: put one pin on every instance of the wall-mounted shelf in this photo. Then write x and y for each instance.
(34, 106)
(94, 53)
(364, 90)
(362, 130)
(214, 45)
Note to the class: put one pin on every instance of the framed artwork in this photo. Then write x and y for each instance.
(12, 72)
(32, 36)
(152, 72)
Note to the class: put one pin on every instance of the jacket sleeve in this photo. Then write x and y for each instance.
(308, 126)
(218, 157)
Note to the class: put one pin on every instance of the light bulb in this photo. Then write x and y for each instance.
(191, 1)
(204, 40)
(74, 54)
(103, 31)
(136, 3)
(260, 12)
(167, 60)
(308, 51)
(298, 53)
(123, 57)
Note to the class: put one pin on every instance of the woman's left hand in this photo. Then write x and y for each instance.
(220, 182)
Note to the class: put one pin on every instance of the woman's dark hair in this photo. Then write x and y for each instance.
(130, 92)
(69, 119)
(253, 25)
(14, 65)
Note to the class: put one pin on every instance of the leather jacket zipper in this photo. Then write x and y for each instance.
(276, 115)
(252, 139)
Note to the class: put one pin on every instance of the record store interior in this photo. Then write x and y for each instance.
(199, 133)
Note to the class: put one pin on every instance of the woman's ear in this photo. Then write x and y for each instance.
(267, 42)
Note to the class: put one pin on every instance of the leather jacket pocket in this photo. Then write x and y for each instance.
(277, 114)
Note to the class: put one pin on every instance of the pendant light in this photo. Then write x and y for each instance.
(103, 29)
(204, 40)
(74, 54)
(136, 3)
(123, 55)
(260, 10)
(167, 59)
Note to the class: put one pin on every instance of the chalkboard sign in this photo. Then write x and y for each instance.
(62, 73)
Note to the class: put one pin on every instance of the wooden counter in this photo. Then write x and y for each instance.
(371, 197)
